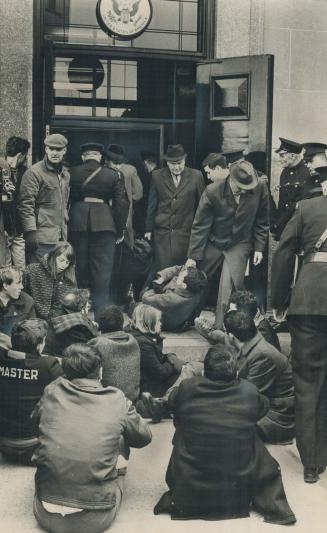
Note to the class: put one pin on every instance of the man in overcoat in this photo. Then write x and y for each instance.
(231, 220)
(174, 197)
(218, 464)
(307, 318)
(97, 219)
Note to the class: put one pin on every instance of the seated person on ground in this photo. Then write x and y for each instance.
(15, 304)
(177, 292)
(120, 354)
(24, 373)
(270, 370)
(83, 427)
(245, 301)
(158, 370)
(73, 325)
(218, 465)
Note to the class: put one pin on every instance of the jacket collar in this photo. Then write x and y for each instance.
(249, 345)
(87, 383)
(170, 182)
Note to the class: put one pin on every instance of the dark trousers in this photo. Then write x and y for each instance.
(121, 275)
(95, 253)
(41, 250)
(309, 362)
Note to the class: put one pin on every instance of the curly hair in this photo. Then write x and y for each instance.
(16, 145)
(195, 279)
(220, 363)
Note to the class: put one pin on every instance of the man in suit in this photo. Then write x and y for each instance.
(218, 465)
(232, 218)
(97, 220)
(307, 318)
(174, 197)
(293, 178)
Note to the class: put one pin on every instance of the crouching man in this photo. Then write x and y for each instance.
(82, 428)
(218, 464)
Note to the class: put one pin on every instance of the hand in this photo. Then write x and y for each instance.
(148, 235)
(175, 361)
(120, 240)
(190, 263)
(279, 315)
(258, 256)
(31, 242)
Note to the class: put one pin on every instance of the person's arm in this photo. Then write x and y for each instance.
(151, 364)
(262, 372)
(120, 205)
(28, 193)
(263, 406)
(137, 187)
(282, 270)
(53, 369)
(152, 208)
(136, 432)
(199, 188)
(201, 227)
(168, 273)
(261, 225)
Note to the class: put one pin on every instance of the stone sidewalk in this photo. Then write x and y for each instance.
(145, 484)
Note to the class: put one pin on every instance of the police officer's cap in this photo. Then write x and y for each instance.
(233, 155)
(92, 147)
(56, 140)
(322, 171)
(312, 149)
(289, 146)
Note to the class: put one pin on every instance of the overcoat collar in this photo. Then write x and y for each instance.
(249, 345)
(168, 179)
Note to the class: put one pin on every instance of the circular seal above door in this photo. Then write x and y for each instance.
(124, 19)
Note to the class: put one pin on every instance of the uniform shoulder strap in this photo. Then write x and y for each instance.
(91, 176)
(321, 240)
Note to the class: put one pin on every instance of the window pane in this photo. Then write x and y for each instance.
(165, 15)
(190, 17)
(158, 40)
(189, 43)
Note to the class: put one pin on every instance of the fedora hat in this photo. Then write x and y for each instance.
(175, 152)
(116, 153)
(244, 175)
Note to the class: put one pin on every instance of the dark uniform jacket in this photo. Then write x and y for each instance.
(22, 382)
(308, 297)
(86, 422)
(292, 182)
(16, 311)
(211, 470)
(225, 223)
(171, 212)
(42, 202)
(270, 371)
(106, 186)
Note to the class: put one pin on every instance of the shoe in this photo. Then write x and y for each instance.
(321, 469)
(154, 406)
(311, 475)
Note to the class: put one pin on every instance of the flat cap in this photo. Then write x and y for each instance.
(233, 155)
(289, 146)
(92, 147)
(312, 149)
(55, 140)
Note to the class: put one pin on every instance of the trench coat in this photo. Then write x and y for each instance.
(170, 214)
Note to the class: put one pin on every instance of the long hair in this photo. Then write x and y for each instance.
(63, 248)
(146, 319)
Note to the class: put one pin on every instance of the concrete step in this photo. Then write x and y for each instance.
(189, 346)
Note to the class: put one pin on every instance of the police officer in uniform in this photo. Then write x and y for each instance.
(97, 220)
(294, 175)
(307, 318)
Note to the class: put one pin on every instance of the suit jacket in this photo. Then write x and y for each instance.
(211, 470)
(107, 186)
(308, 296)
(171, 212)
(270, 371)
(223, 222)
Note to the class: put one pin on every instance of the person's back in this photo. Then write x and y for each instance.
(81, 428)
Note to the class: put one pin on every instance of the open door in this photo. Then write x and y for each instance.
(234, 106)
(234, 111)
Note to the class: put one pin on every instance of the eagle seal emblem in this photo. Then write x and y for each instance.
(124, 19)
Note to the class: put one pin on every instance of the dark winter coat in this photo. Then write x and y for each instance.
(17, 310)
(211, 470)
(46, 291)
(157, 373)
(120, 354)
(68, 329)
(171, 212)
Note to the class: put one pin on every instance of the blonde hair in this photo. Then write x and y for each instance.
(147, 319)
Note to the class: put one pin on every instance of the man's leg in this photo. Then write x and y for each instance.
(40, 252)
(80, 242)
(18, 252)
(225, 290)
(101, 258)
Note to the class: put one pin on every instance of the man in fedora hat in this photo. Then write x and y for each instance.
(231, 220)
(174, 197)
(97, 218)
(293, 178)
(43, 198)
(306, 306)
(116, 159)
